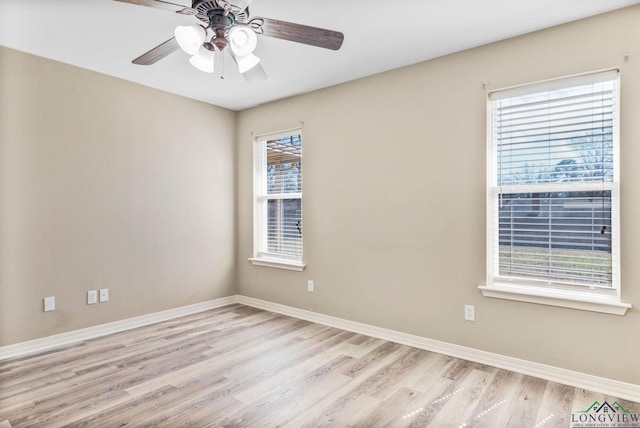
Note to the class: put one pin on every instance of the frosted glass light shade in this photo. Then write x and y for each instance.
(190, 38)
(247, 62)
(203, 60)
(243, 41)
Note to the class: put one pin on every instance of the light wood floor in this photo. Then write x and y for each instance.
(243, 367)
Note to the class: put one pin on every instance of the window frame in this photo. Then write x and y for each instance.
(576, 297)
(261, 255)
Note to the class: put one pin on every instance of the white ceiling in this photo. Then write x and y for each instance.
(380, 35)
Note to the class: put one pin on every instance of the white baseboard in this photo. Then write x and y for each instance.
(59, 340)
(575, 379)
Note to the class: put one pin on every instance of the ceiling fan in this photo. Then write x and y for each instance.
(227, 23)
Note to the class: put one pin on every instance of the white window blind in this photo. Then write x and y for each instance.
(279, 197)
(554, 184)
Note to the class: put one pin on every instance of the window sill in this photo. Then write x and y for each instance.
(278, 263)
(563, 298)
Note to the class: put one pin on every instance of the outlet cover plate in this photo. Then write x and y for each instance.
(92, 297)
(469, 312)
(104, 295)
(49, 303)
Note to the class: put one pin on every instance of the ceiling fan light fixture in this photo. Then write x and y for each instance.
(247, 62)
(190, 38)
(203, 60)
(242, 40)
(255, 75)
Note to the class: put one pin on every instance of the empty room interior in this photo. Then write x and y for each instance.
(403, 215)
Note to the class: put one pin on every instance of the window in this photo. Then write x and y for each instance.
(278, 200)
(553, 186)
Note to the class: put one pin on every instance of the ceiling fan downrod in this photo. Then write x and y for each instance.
(220, 21)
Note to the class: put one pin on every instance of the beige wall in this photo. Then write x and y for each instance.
(394, 200)
(107, 184)
(104, 183)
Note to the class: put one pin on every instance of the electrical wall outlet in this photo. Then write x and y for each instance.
(49, 303)
(469, 312)
(92, 297)
(104, 295)
(310, 286)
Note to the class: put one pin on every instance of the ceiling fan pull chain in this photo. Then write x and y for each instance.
(222, 64)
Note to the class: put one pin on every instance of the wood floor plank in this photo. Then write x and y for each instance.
(351, 414)
(428, 372)
(273, 361)
(290, 374)
(367, 374)
(499, 402)
(430, 403)
(286, 400)
(239, 366)
(557, 405)
(15, 410)
(394, 410)
(372, 359)
(394, 376)
(523, 406)
(131, 412)
(458, 408)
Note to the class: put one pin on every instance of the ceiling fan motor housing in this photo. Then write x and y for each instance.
(219, 20)
(211, 10)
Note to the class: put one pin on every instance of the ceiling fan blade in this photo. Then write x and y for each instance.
(299, 33)
(157, 53)
(161, 4)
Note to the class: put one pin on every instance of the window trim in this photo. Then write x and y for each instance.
(582, 300)
(277, 263)
(593, 299)
(260, 257)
